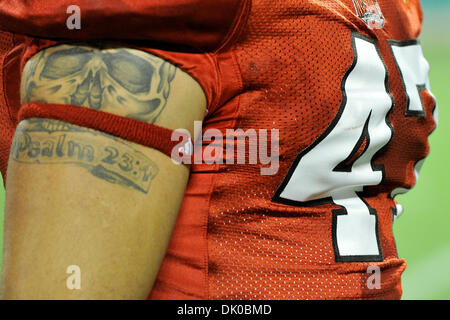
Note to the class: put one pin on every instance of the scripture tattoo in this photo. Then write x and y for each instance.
(127, 82)
(45, 141)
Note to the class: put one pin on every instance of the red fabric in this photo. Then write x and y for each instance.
(285, 71)
(203, 24)
(7, 125)
(146, 134)
(11, 51)
(230, 238)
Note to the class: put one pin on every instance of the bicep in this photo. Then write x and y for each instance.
(125, 82)
(76, 196)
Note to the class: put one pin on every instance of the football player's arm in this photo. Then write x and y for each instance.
(79, 197)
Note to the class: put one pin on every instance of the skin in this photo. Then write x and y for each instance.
(76, 196)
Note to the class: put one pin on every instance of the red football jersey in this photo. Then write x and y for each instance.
(194, 23)
(345, 84)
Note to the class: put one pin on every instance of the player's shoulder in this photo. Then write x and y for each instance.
(203, 24)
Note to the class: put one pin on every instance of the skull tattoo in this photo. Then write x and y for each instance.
(126, 82)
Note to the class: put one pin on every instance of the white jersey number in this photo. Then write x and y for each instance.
(338, 165)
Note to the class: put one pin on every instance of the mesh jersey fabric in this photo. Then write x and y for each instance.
(145, 134)
(192, 23)
(284, 71)
(237, 243)
(6, 125)
(10, 56)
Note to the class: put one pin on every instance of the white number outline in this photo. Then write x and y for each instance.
(398, 210)
(420, 87)
(380, 167)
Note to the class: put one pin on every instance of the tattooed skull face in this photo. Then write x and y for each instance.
(127, 82)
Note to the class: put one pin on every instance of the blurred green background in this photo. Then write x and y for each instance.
(423, 231)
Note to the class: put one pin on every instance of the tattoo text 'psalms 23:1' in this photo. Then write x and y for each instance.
(44, 141)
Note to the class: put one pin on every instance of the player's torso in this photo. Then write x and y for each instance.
(353, 113)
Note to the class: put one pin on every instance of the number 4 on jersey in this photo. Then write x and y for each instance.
(339, 164)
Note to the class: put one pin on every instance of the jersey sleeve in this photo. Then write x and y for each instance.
(202, 24)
